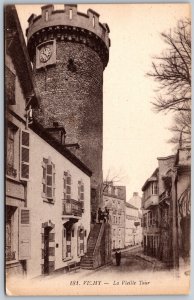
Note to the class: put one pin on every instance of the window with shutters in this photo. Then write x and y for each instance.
(67, 185)
(24, 155)
(48, 180)
(81, 192)
(11, 159)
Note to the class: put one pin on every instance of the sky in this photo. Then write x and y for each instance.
(133, 134)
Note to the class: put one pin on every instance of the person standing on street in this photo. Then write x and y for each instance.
(118, 257)
(99, 215)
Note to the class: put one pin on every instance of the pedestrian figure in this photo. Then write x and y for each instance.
(118, 257)
(106, 214)
(99, 215)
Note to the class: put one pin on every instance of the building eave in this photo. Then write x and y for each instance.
(44, 134)
(18, 51)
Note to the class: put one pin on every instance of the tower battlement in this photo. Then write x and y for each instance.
(69, 25)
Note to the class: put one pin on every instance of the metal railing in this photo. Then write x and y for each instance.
(72, 207)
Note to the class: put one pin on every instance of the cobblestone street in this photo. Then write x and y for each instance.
(133, 262)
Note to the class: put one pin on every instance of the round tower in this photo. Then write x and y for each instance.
(69, 51)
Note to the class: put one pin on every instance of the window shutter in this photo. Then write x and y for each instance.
(68, 186)
(24, 234)
(78, 241)
(82, 192)
(65, 185)
(64, 244)
(85, 241)
(49, 181)
(79, 190)
(24, 155)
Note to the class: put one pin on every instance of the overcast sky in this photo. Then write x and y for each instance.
(134, 136)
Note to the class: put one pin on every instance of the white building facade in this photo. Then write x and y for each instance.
(133, 232)
(59, 202)
(114, 198)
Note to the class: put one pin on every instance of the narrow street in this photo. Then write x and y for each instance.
(132, 263)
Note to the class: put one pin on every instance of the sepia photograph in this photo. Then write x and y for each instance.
(97, 149)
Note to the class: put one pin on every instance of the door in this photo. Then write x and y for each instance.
(46, 250)
(68, 242)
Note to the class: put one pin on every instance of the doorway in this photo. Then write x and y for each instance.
(46, 250)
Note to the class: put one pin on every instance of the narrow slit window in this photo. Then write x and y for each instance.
(46, 15)
(70, 14)
(93, 21)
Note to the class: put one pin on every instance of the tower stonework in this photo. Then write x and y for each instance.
(69, 51)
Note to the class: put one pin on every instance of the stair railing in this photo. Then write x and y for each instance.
(99, 237)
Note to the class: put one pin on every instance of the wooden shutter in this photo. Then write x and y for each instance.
(43, 178)
(64, 245)
(54, 186)
(68, 186)
(24, 234)
(81, 192)
(85, 241)
(24, 155)
(78, 241)
(49, 181)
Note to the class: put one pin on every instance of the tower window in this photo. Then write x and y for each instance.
(93, 21)
(46, 15)
(70, 14)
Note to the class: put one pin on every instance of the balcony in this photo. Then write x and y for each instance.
(72, 208)
(151, 201)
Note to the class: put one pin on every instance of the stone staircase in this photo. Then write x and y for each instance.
(87, 261)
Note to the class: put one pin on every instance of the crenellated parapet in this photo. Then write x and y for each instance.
(69, 25)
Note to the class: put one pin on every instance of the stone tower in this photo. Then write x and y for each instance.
(69, 51)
